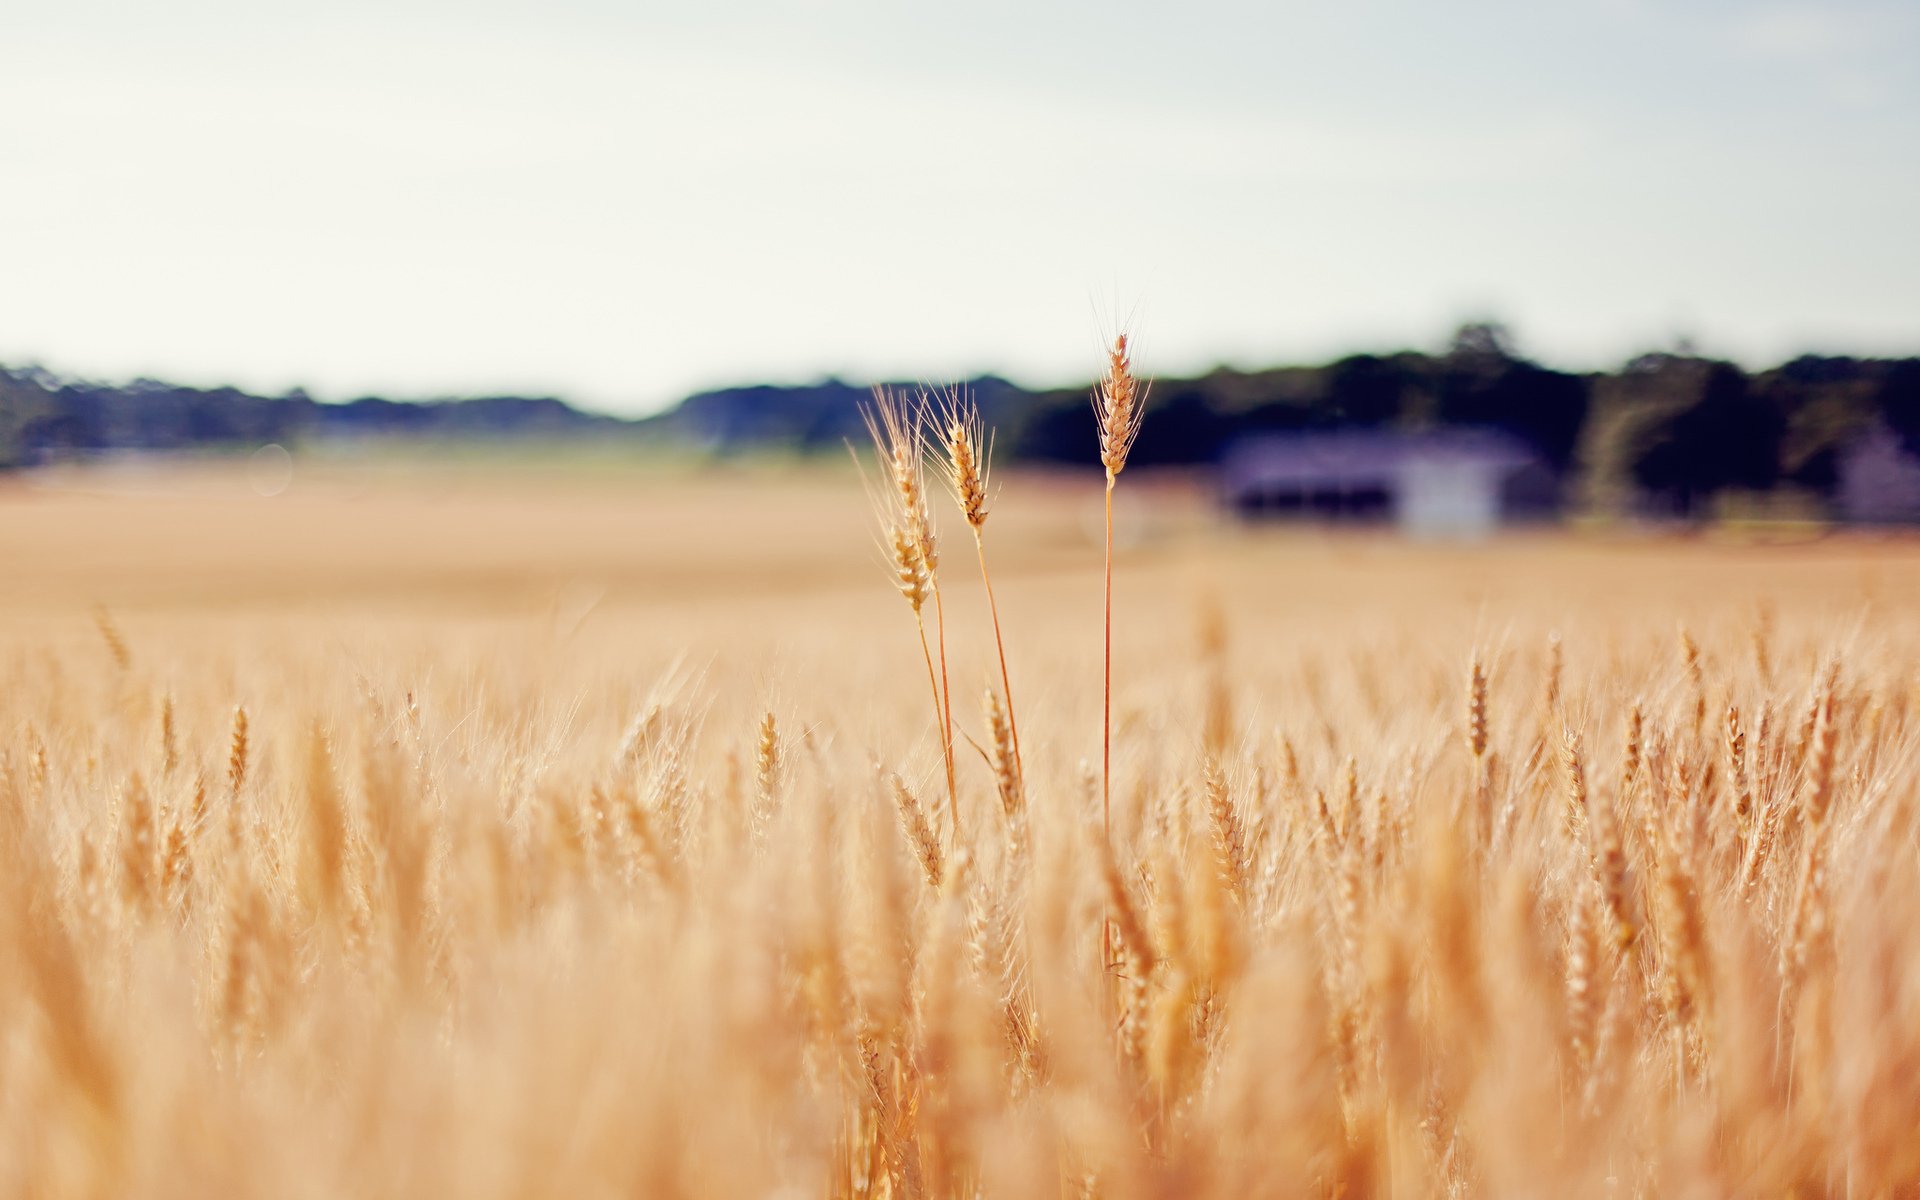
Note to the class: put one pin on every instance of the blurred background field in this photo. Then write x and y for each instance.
(508, 827)
(773, 563)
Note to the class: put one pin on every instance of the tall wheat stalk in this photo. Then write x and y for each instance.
(968, 461)
(899, 438)
(1118, 404)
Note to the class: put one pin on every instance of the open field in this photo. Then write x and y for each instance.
(423, 833)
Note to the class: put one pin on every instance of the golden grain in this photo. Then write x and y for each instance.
(436, 895)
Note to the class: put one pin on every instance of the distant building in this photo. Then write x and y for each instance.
(1444, 483)
(1878, 480)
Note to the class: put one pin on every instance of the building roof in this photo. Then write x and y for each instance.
(1364, 458)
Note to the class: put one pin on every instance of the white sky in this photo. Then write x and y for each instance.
(621, 202)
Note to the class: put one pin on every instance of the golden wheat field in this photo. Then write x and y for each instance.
(453, 832)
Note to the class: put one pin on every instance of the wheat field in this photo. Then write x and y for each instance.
(445, 832)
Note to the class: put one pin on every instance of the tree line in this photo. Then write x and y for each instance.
(45, 418)
(1675, 425)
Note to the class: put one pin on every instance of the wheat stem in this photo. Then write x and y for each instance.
(1106, 688)
(1000, 647)
(1118, 404)
(946, 711)
(946, 747)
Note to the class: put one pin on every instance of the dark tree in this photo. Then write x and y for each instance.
(1715, 432)
(1900, 401)
(1483, 381)
(1368, 390)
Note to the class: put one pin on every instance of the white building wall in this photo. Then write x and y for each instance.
(1448, 499)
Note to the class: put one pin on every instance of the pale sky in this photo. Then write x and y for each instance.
(622, 202)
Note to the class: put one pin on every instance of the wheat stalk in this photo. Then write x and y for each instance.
(968, 462)
(1119, 403)
(899, 438)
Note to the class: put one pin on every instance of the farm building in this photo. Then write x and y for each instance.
(1445, 483)
(1878, 480)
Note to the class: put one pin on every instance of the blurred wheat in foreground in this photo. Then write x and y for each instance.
(1591, 904)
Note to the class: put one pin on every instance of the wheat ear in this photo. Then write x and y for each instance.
(237, 754)
(919, 833)
(1477, 745)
